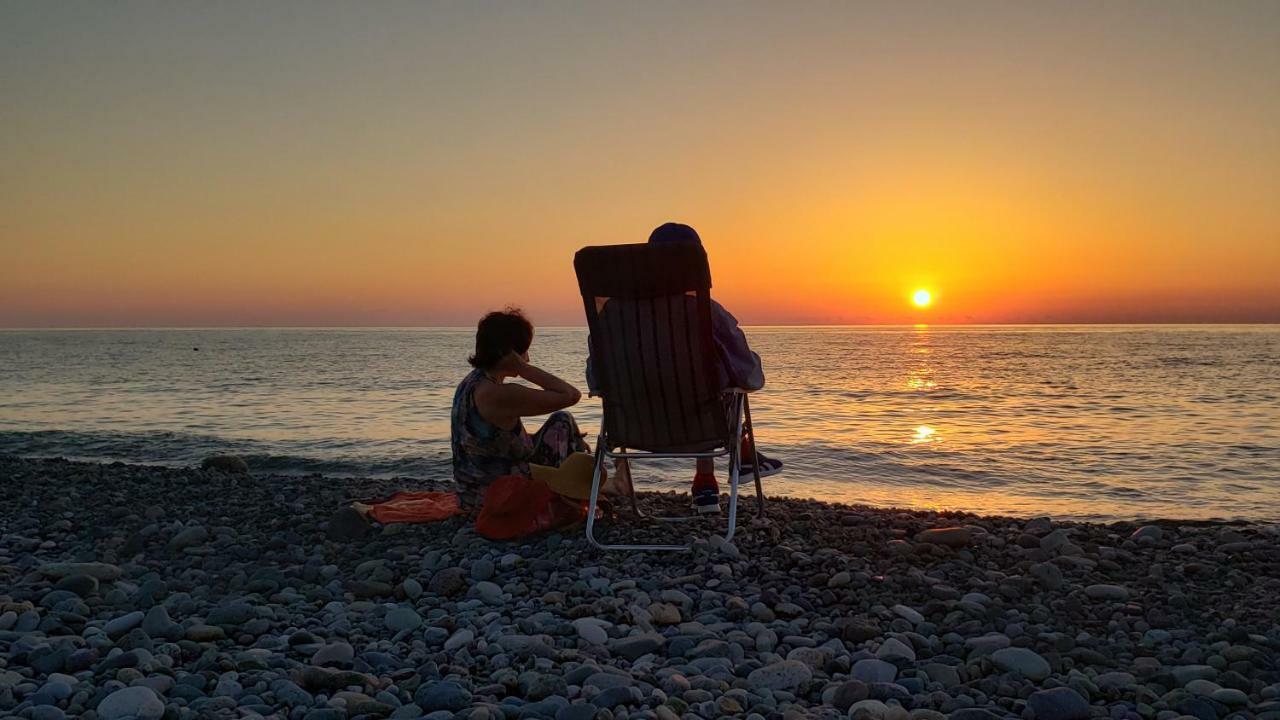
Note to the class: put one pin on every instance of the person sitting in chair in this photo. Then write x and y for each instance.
(739, 368)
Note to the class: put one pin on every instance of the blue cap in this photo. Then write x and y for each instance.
(674, 233)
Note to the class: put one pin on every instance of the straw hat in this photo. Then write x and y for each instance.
(572, 479)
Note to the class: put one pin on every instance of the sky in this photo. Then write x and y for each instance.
(386, 163)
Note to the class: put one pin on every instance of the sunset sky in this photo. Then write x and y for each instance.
(419, 163)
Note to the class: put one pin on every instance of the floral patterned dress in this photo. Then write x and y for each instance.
(483, 451)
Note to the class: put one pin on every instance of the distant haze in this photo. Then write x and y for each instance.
(386, 163)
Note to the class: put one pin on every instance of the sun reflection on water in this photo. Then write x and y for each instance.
(925, 434)
(919, 383)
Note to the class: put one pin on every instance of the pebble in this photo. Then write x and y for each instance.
(487, 592)
(872, 670)
(815, 611)
(1114, 593)
(591, 630)
(894, 648)
(1060, 703)
(1025, 662)
(956, 537)
(131, 702)
(459, 639)
(412, 588)
(123, 624)
(336, 654)
(784, 675)
(402, 619)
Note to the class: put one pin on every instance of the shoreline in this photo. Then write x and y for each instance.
(403, 481)
(132, 590)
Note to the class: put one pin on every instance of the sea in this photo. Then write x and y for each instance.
(1083, 422)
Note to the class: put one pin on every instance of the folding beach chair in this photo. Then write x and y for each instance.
(654, 360)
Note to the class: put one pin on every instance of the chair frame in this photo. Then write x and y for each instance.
(741, 425)
(653, 275)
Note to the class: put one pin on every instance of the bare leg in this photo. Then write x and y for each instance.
(620, 483)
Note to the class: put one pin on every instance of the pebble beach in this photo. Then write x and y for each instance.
(151, 592)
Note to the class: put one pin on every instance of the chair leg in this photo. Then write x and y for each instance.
(594, 501)
(595, 494)
(735, 469)
(755, 460)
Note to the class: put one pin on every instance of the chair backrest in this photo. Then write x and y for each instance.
(652, 349)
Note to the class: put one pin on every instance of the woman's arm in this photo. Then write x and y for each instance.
(505, 403)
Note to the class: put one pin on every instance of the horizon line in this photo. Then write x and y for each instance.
(584, 326)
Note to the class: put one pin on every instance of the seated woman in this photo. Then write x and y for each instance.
(488, 435)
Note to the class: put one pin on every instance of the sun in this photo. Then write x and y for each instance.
(922, 298)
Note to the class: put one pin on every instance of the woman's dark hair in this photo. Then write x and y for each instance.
(500, 333)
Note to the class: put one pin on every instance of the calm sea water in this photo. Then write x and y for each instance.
(1086, 422)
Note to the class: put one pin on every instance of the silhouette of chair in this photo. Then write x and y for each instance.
(656, 368)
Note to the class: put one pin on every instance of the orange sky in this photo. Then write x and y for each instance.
(418, 164)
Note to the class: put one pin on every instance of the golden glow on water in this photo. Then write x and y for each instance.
(925, 434)
(1066, 421)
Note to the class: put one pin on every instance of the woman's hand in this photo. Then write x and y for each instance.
(513, 364)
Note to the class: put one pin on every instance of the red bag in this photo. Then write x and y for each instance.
(516, 506)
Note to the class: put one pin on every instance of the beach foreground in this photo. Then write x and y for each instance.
(143, 591)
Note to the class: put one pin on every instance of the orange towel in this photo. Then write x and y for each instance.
(415, 507)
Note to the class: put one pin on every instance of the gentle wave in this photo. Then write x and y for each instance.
(1099, 423)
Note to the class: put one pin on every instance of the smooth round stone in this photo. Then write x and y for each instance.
(909, 614)
(205, 633)
(412, 589)
(1114, 593)
(813, 657)
(123, 624)
(337, 653)
(848, 693)
(400, 619)
(1203, 687)
(82, 585)
(139, 702)
(1022, 661)
(442, 695)
(1115, 680)
(1230, 696)
(591, 630)
(1150, 533)
(459, 639)
(1183, 674)
(101, 571)
(1047, 574)
(784, 675)
(1061, 703)
(57, 690)
(581, 711)
(482, 569)
(841, 579)
(895, 648)
(873, 708)
(874, 670)
(987, 644)
(488, 592)
(955, 537)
